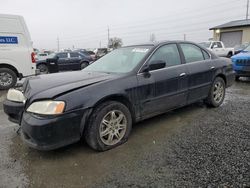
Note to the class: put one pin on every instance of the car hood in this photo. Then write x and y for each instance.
(52, 85)
(242, 55)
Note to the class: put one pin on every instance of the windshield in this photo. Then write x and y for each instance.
(122, 60)
(205, 44)
(247, 48)
(51, 55)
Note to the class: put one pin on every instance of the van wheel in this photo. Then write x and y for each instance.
(84, 65)
(217, 93)
(109, 126)
(43, 69)
(8, 78)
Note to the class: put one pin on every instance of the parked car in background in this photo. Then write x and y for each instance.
(92, 54)
(41, 56)
(240, 48)
(218, 48)
(63, 61)
(100, 52)
(101, 102)
(241, 63)
(89, 54)
(17, 58)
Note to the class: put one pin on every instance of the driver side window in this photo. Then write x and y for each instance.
(168, 54)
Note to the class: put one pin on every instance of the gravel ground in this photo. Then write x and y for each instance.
(194, 146)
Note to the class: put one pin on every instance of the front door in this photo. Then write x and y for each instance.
(169, 84)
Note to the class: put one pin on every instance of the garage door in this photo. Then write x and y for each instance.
(230, 39)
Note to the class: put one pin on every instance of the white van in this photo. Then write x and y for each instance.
(17, 59)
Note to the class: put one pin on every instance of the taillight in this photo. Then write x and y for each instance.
(33, 59)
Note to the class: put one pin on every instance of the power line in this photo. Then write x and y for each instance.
(140, 26)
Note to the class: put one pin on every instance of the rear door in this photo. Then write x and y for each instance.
(63, 61)
(199, 70)
(170, 84)
(74, 62)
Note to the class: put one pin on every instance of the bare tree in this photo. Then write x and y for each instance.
(115, 43)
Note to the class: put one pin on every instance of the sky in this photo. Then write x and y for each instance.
(85, 23)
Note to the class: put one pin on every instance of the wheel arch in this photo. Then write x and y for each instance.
(114, 97)
(84, 61)
(223, 77)
(119, 98)
(4, 65)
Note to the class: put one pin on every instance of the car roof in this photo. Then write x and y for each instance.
(160, 43)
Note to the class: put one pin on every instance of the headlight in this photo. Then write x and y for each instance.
(47, 107)
(15, 95)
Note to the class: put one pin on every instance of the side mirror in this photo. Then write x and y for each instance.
(157, 64)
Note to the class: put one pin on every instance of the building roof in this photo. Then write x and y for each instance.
(232, 24)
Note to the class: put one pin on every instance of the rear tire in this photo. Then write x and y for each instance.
(43, 69)
(84, 65)
(217, 93)
(8, 78)
(109, 126)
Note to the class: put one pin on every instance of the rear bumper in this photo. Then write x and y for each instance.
(230, 79)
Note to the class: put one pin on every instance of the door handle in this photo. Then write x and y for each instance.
(182, 74)
(212, 67)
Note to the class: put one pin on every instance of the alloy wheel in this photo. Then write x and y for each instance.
(218, 92)
(113, 127)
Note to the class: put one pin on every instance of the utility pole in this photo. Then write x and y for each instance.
(247, 9)
(58, 44)
(108, 36)
(184, 37)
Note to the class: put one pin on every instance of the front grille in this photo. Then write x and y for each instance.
(243, 62)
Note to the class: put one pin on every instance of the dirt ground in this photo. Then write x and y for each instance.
(194, 146)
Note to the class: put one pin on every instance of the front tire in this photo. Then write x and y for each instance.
(217, 93)
(109, 126)
(8, 78)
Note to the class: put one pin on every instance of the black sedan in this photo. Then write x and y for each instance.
(64, 61)
(101, 102)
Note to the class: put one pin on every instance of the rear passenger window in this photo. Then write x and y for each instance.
(205, 54)
(219, 45)
(62, 55)
(74, 55)
(192, 53)
(168, 54)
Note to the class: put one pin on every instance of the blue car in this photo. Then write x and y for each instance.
(241, 63)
